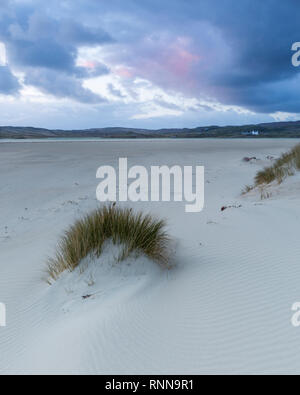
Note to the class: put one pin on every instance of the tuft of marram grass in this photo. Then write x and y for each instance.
(135, 232)
(247, 189)
(284, 167)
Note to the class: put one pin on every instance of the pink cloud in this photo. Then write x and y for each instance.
(88, 64)
(124, 72)
(180, 61)
(167, 63)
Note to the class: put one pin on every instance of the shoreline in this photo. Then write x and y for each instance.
(111, 140)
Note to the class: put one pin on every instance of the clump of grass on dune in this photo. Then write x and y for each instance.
(247, 189)
(284, 167)
(135, 232)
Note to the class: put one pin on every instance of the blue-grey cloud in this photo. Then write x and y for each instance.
(77, 34)
(9, 84)
(44, 47)
(61, 85)
(43, 53)
(96, 69)
(115, 91)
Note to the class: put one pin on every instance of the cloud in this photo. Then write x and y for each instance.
(2, 55)
(91, 69)
(45, 48)
(234, 54)
(225, 52)
(159, 101)
(44, 53)
(115, 92)
(77, 34)
(9, 84)
(61, 85)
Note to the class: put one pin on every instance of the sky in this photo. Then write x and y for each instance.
(78, 64)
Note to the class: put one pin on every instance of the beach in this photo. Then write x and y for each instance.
(225, 306)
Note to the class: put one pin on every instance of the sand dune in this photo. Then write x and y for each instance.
(225, 308)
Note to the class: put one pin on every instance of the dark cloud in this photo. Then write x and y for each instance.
(43, 53)
(9, 84)
(44, 47)
(77, 34)
(281, 96)
(61, 85)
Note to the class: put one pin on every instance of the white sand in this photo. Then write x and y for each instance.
(226, 308)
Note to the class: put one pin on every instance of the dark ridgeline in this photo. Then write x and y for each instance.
(264, 130)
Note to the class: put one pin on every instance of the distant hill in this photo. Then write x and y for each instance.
(265, 130)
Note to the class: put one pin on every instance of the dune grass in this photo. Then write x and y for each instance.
(134, 232)
(284, 167)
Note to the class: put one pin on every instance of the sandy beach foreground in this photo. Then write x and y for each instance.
(224, 308)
